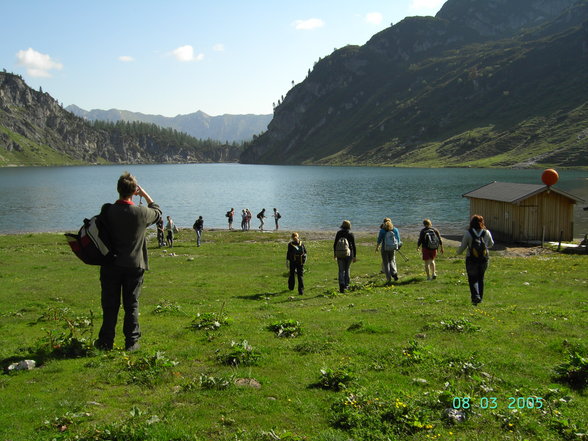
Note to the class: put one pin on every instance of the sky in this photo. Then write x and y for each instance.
(179, 56)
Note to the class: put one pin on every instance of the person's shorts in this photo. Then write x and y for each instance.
(429, 254)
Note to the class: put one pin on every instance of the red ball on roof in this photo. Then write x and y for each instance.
(549, 177)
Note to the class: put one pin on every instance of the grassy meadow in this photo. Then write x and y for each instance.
(228, 353)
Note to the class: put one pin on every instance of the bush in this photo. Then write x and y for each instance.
(574, 371)
(286, 328)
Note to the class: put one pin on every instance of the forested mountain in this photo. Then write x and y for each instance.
(36, 130)
(484, 83)
(224, 128)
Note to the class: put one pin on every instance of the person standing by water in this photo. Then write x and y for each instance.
(230, 215)
(261, 217)
(430, 240)
(295, 260)
(344, 252)
(170, 228)
(123, 277)
(389, 238)
(477, 240)
(244, 220)
(198, 227)
(160, 233)
(277, 216)
(249, 216)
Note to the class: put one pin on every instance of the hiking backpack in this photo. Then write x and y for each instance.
(390, 241)
(431, 241)
(92, 244)
(299, 253)
(342, 249)
(478, 249)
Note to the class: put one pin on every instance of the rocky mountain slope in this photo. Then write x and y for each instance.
(484, 83)
(36, 130)
(224, 128)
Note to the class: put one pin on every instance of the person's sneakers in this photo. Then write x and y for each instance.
(133, 347)
(102, 346)
(341, 288)
(476, 300)
(395, 277)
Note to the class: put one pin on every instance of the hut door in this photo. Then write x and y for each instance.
(531, 223)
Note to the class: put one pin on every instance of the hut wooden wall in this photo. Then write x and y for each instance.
(525, 221)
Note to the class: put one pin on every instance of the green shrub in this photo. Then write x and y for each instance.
(240, 353)
(286, 328)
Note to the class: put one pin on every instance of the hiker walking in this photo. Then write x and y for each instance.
(123, 277)
(171, 229)
(277, 216)
(477, 240)
(389, 238)
(230, 215)
(295, 260)
(198, 227)
(430, 239)
(345, 253)
(261, 217)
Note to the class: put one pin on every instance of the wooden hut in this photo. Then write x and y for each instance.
(524, 212)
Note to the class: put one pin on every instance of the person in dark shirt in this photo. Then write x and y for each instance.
(295, 260)
(198, 227)
(123, 277)
(344, 252)
(430, 246)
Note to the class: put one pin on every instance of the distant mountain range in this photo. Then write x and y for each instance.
(36, 130)
(484, 83)
(224, 128)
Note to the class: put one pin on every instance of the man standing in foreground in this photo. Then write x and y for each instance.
(127, 223)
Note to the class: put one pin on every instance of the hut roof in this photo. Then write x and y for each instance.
(514, 193)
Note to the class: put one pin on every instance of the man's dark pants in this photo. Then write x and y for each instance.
(114, 280)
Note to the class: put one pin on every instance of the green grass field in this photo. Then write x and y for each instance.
(375, 363)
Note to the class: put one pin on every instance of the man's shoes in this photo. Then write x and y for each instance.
(395, 277)
(102, 346)
(133, 347)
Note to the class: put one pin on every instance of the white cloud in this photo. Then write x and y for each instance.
(307, 25)
(186, 53)
(36, 63)
(374, 18)
(126, 59)
(426, 6)
(219, 47)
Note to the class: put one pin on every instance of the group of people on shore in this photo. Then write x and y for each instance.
(246, 217)
(121, 280)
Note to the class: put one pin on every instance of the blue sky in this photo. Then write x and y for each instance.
(177, 57)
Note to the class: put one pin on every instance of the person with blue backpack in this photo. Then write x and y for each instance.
(477, 240)
(389, 238)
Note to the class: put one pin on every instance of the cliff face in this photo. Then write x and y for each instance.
(36, 130)
(478, 73)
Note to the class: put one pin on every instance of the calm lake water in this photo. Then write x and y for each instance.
(309, 198)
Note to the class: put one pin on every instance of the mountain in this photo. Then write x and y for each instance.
(36, 130)
(483, 83)
(224, 128)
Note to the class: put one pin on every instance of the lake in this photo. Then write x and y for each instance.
(35, 199)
